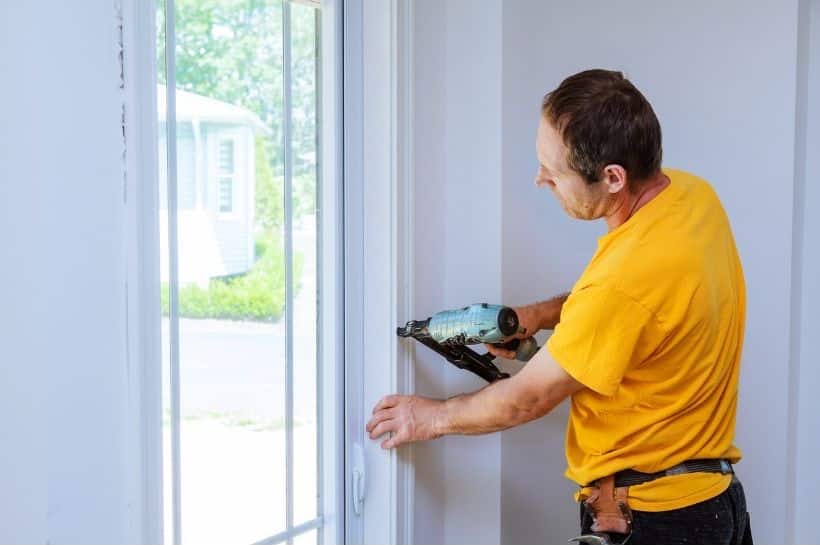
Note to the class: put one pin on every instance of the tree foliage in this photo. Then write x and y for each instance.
(270, 195)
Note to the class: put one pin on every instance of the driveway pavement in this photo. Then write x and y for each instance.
(233, 406)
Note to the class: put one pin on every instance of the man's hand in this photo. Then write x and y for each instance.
(408, 418)
(529, 323)
(532, 319)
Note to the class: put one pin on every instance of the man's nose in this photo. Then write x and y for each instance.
(542, 181)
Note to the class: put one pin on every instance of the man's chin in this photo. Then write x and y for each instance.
(570, 212)
(574, 214)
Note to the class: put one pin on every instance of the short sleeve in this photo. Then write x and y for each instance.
(601, 334)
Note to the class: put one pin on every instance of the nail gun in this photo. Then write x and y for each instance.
(450, 331)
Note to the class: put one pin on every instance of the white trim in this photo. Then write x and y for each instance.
(352, 112)
(378, 173)
(143, 283)
(330, 396)
(405, 210)
(797, 255)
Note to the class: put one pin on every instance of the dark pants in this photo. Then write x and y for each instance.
(722, 520)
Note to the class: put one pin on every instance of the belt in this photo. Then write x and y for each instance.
(630, 477)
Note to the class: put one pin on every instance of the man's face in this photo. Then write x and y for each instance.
(578, 198)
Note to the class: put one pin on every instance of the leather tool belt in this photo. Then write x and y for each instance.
(608, 502)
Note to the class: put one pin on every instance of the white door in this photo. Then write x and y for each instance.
(252, 361)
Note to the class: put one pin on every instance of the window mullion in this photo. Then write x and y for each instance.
(320, 477)
(288, 209)
(173, 258)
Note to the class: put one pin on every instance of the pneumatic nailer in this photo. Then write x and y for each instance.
(450, 331)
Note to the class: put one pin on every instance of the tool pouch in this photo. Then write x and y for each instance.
(609, 508)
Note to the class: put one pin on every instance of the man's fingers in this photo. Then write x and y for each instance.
(383, 427)
(394, 441)
(500, 352)
(381, 416)
(386, 402)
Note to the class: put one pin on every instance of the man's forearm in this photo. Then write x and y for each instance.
(485, 411)
(529, 394)
(548, 313)
(493, 408)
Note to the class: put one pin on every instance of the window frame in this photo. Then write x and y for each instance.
(141, 233)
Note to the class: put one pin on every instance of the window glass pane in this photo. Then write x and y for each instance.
(231, 270)
(226, 157)
(306, 265)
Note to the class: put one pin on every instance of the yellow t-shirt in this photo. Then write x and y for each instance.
(654, 329)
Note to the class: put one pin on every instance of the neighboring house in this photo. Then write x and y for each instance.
(216, 173)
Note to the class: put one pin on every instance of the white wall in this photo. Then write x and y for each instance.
(457, 197)
(726, 102)
(429, 69)
(473, 263)
(63, 469)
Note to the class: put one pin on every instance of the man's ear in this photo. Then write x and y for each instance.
(614, 176)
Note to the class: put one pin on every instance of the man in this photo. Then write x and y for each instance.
(647, 344)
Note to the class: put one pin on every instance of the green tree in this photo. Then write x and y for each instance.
(269, 192)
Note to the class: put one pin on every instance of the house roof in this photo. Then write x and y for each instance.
(191, 106)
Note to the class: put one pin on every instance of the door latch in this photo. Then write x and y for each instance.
(358, 480)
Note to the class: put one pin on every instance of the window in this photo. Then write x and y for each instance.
(227, 171)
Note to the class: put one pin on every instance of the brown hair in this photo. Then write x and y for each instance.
(604, 119)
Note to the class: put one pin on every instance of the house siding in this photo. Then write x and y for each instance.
(186, 179)
(232, 240)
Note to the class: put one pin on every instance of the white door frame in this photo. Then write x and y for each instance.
(378, 250)
(141, 204)
(331, 395)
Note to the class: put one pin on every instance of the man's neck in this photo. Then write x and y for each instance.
(634, 201)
